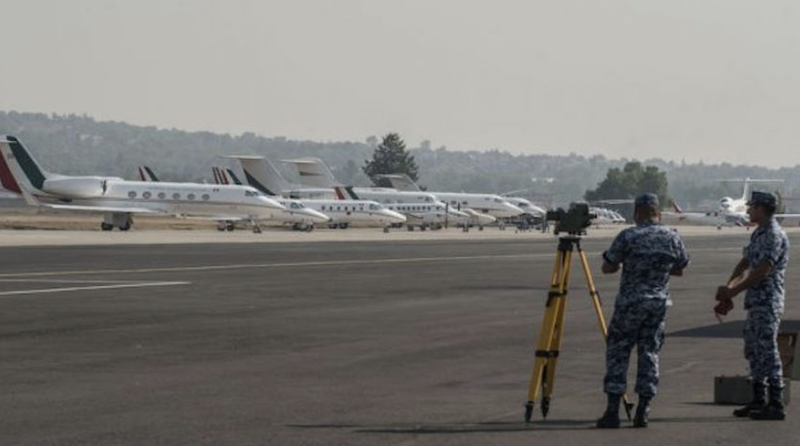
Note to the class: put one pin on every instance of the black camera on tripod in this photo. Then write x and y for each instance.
(573, 221)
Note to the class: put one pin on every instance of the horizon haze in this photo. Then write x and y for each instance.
(711, 81)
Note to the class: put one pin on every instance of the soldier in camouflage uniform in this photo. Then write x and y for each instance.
(649, 254)
(761, 272)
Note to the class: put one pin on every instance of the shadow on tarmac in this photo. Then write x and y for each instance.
(498, 426)
(731, 329)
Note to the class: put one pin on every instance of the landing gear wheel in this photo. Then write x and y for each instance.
(423, 228)
(480, 228)
(332, 225)
(410, 228)
(230, 226)
(106, 226)
(256, 229)
(343, 225)
(221, 227)
(309, 228)
(385, 229)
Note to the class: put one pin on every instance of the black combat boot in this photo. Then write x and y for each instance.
(642, 409)
(774, 410)
(610, 419)
(758, 403)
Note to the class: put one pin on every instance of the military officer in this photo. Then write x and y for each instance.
(649, 254)
(761, 273)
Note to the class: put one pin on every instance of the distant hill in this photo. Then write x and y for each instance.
(74, 144)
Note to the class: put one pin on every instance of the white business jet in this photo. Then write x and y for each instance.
(119, 199)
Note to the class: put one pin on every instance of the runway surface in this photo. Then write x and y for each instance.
(357, 343)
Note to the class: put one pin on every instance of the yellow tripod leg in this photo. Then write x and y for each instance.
(549, 383)
(554, 298)
(598, 309)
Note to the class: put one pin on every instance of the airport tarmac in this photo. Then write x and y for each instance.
(207, 235)
(370, 342)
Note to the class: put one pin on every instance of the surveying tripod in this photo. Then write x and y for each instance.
(544, 370)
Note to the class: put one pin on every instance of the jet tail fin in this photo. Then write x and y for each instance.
(23, 168)
(233, 178)
(147, 174)
(260, 173)
(313, 172)
(345, 193)
(7, 178)
(401, 182)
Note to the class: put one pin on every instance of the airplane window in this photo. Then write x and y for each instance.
(206, 197)
(132, 194)
(338, 208)
(190, 196)
(147, 195)
(176, 196)
(162, 195)
(323, 207)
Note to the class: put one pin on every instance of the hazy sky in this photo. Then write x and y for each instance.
(694, 79)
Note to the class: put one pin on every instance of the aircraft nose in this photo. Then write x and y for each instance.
(398, 217)
(272, 203)
(514, 209)
(318, 217)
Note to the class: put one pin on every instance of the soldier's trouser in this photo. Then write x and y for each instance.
(641, 324)
(761, 346)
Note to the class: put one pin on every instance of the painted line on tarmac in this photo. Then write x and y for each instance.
(277, 265)
(311, 264)
(88, 288)
(67, 281)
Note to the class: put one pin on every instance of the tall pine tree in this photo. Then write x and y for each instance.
(390, 157)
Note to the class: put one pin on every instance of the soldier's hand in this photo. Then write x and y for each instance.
(725, 301)
(724, 293)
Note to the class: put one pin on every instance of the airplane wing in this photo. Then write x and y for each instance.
(215, 217)
(788, 219)
(122, 210)
(32, 200)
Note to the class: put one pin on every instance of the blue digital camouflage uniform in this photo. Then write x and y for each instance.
(764, 304)
(648, 253)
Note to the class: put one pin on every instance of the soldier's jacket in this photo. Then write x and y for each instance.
(648, 253)
(768, 243)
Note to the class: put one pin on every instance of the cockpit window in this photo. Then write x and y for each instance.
(375, 207)
(294, 205)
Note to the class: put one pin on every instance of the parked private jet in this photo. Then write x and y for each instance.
(118, 200)
(420, 209)
(262, 175)
(494, 205)
(295, 212)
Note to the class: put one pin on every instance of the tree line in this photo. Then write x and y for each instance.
(75, 144)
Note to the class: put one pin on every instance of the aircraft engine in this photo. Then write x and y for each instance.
(76, 187)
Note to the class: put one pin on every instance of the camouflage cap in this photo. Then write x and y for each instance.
(763, 199)
(649, 200)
